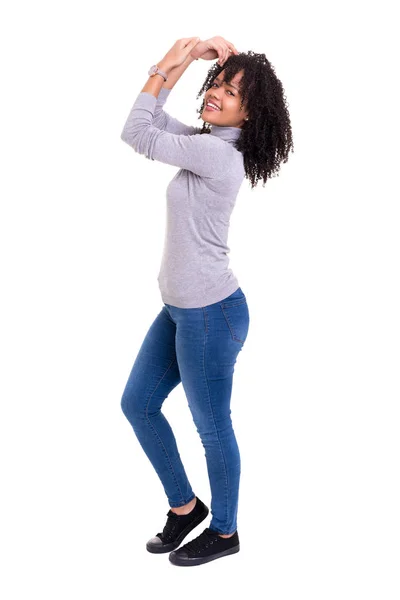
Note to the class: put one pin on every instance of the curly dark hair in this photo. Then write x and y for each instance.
(266, 138)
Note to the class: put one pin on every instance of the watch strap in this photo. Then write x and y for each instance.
(155, 70)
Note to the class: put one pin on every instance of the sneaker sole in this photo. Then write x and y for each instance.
(175, 559)
(174, 545)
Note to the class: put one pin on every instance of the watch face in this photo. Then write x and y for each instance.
(153, 70)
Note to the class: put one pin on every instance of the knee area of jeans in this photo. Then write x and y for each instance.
(128, 407)
(123, 404)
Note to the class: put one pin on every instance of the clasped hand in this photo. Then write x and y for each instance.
(207, 50)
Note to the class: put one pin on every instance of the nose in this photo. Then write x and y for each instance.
(214, 97)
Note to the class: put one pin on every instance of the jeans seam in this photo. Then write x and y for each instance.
(155, 430)
(233, 335)
(205, 320)
(229, 304)
(216, 428)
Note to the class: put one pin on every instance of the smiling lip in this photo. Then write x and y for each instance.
(211, 108)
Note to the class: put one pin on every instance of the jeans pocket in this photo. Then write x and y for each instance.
(236, 313)
(236, 296)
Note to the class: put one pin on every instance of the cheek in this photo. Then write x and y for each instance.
(232, 104)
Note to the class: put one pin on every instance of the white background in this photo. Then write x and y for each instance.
(315, 404)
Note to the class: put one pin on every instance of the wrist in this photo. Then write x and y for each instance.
(165, 66)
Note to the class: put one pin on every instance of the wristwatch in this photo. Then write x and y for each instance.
(155, 69)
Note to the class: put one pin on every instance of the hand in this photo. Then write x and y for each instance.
(179, 52)
(214, 47)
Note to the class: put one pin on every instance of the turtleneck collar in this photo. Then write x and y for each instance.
(228, 134)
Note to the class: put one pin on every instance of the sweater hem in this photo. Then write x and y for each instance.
(210, 298)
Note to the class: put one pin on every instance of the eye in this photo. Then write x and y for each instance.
(226, 90)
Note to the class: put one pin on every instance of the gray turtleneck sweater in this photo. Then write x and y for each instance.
(200, 199)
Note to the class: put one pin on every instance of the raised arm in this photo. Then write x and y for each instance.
(162, 120)
(201, 154)
(205, 154)
(177, 60)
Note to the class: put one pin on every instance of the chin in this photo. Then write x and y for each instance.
(206, 115)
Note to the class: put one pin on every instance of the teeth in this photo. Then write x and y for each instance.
(213, 105)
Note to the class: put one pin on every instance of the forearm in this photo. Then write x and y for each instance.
(156, 82)
(175, 73)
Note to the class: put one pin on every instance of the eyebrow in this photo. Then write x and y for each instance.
(218, 80)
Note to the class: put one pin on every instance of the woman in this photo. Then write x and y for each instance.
(202, 327)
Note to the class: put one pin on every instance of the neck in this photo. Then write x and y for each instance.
(226, 133)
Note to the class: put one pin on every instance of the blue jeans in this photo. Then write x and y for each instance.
(198, 347)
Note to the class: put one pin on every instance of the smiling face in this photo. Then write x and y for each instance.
(228, 98)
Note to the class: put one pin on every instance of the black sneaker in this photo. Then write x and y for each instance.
(207, 546)
(176, 528)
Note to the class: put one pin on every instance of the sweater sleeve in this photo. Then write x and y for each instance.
(162, 120)
(201, 154)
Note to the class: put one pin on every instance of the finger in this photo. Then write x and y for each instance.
(232, 47)
(225, 54)
(228, 51)
(220, 51)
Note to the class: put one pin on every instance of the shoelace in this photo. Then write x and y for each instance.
(204, 540)
(169, 527)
